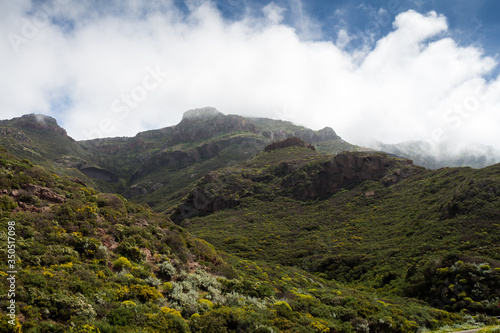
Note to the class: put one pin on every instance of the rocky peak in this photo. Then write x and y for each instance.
(327, 133)
(40, 122)
(205, 123)
(201, 113)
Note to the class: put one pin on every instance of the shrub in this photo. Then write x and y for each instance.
(167, 286)
(85, 328)
(7, 203)
(153, 281)
(168, 321)
(128, 304)
(6, 327)
(121, 263)
(283, 309)
(209, 323)
(167, 270)
(122, 316)
(174, 312)
(140, 292)
(204, 305)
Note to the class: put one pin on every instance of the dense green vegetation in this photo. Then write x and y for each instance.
(95, 262)
(357, 242)
(433, 235)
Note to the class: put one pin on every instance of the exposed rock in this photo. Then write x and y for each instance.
(107, 240)
(290, 142)
(344, 170)
(201, 113)
(218, 191)
(200, 202)
(78, 181)
(206, 123)
(16, 134)
(136, 190)
(41, 192)
(99, 174)
(41, 122)
(149, 256)
(327, 133)
(180, 159)
(206, 198)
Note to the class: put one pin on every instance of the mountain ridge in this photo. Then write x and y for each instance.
(348, 242)
(204, 140)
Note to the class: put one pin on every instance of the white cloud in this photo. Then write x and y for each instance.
(274, 13)
(343, 38)
(414, 82)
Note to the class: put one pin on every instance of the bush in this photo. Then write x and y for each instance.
(122, 316)
(204, 305)
(121, 263)
(167, 270)
(85, 328)
(168, 321)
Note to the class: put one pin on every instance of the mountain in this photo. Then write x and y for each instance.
(156, 167)
(95, 262)
(40, 139)
(442, 155)
(255, 225)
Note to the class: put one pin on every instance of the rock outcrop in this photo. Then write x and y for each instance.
(179, 159)
(290, 142)
(218, 191)
(40, 122)
(344, 170)
(43, 193)
(204, 199)
(206, 123)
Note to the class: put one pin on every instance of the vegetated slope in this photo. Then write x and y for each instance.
(95, 262)
(364, 219)
(157, 166)
(40, 139)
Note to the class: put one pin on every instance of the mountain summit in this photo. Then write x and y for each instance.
(207, 112)
(37, 122)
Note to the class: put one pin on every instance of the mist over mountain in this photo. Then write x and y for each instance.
(434, 156)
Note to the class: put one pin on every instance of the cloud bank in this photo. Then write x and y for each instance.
(116, 69)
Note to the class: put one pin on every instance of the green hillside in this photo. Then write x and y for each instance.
(95, 262)
(402, 231)
(231, 224)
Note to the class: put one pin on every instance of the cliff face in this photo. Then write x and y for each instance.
(317, 179)
(344, 170)
(205, 123)
(290, 142)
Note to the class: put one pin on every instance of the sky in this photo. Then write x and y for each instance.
(387, 70)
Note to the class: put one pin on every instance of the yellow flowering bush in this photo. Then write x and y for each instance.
(174, 312)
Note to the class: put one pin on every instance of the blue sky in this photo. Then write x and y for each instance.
(392, 70)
